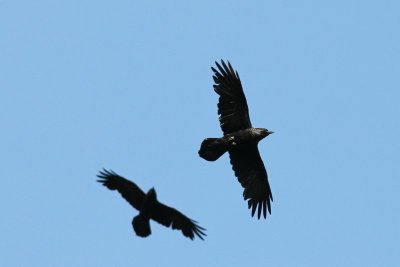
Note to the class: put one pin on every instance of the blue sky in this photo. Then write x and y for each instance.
(127, 86)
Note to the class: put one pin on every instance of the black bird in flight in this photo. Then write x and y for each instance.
(240, 140)
(149, 207)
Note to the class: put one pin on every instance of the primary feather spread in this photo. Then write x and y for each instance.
(149, 207)
(240, 140)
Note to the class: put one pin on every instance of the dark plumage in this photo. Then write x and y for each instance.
(149, 207)
(240, 140)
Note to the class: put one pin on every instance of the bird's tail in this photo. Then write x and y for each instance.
(141, 225)
(212, 148)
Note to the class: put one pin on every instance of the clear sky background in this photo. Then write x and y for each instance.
(127, 86)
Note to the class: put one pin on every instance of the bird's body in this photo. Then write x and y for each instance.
(141, 223)
(213, 148)
(249, 136)
(240, 140)
(149, 207)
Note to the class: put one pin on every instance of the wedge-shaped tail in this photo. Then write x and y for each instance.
(141, 225)
(212, 149)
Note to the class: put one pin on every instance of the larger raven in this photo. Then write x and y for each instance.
(240, 140)
(149, 207)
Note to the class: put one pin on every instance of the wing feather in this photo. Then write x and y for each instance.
(232, 106)
(129, 190)
(168, 216)
(250, 170)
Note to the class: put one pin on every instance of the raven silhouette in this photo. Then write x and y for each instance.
(240, 140)
(149, 207)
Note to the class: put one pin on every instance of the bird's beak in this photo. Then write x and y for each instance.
(270, 132)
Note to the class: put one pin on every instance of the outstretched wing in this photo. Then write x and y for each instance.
(232, 106)
(252, 175)
(168, 216)
(129, 190)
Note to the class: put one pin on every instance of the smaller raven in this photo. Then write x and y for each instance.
(149, 207)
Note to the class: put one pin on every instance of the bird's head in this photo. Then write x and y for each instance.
(262, 132)
(152, 193)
